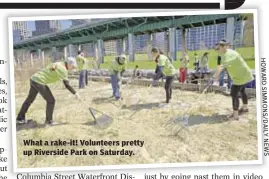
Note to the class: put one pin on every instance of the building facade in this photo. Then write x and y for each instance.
(21, 27)
(46, 26)
(76, 22)
(16, 36)
(199, 38)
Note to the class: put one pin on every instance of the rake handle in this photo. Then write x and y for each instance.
(92, 114)
(90, 110)
(200, 96)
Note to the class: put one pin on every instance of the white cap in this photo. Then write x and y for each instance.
(122, 58)
(72, 61)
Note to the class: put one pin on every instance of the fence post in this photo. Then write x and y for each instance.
(43, 58)
(54, 54)
(172, 43)
(184, 48)
(100, 50)
(31, 59)
(65, 52)
(131, 47)
(230, 29)
(149, 45)
(124, 45)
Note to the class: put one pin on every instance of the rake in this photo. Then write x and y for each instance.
(209, 84)
(102, 121)
(185, 118)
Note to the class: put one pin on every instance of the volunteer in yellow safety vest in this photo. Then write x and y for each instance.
(166, 68)
(116, 69)
(39, 84)
(82, 68)
(240, 74)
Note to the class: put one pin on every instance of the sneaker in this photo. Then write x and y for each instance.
(242, 111)
(118, 98)
(231, 117)
(51, 123)
(21, 121)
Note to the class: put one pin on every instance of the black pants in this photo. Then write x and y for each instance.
(86, 78)
(168, 87)
(45, 93)
(234, 93)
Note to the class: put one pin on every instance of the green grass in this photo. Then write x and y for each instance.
(144, 62)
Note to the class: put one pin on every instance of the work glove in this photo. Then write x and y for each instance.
(78, 96)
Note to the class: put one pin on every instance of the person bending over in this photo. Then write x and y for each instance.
(165, 68)
(240, 74)
(39, 84)
(116, 69)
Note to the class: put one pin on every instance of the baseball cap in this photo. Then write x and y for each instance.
(223, 42)
(72, 61)
(123, 56)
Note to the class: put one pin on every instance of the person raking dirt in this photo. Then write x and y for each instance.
(240, 74)
(39, 84)
(116, 69)
(166, 68)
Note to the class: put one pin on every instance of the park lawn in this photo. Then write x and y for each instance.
(143, 61)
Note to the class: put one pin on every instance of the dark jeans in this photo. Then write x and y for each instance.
(82, 79)
(234, 93)
(168, 87)
(45, 92)
(115, 86)
(221, 79)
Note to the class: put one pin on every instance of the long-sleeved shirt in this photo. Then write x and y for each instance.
(204, 62)
(184, 63)
(82, 63)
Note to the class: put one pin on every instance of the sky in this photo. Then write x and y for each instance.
(64, 24)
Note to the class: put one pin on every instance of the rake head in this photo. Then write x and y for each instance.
(101, 120)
